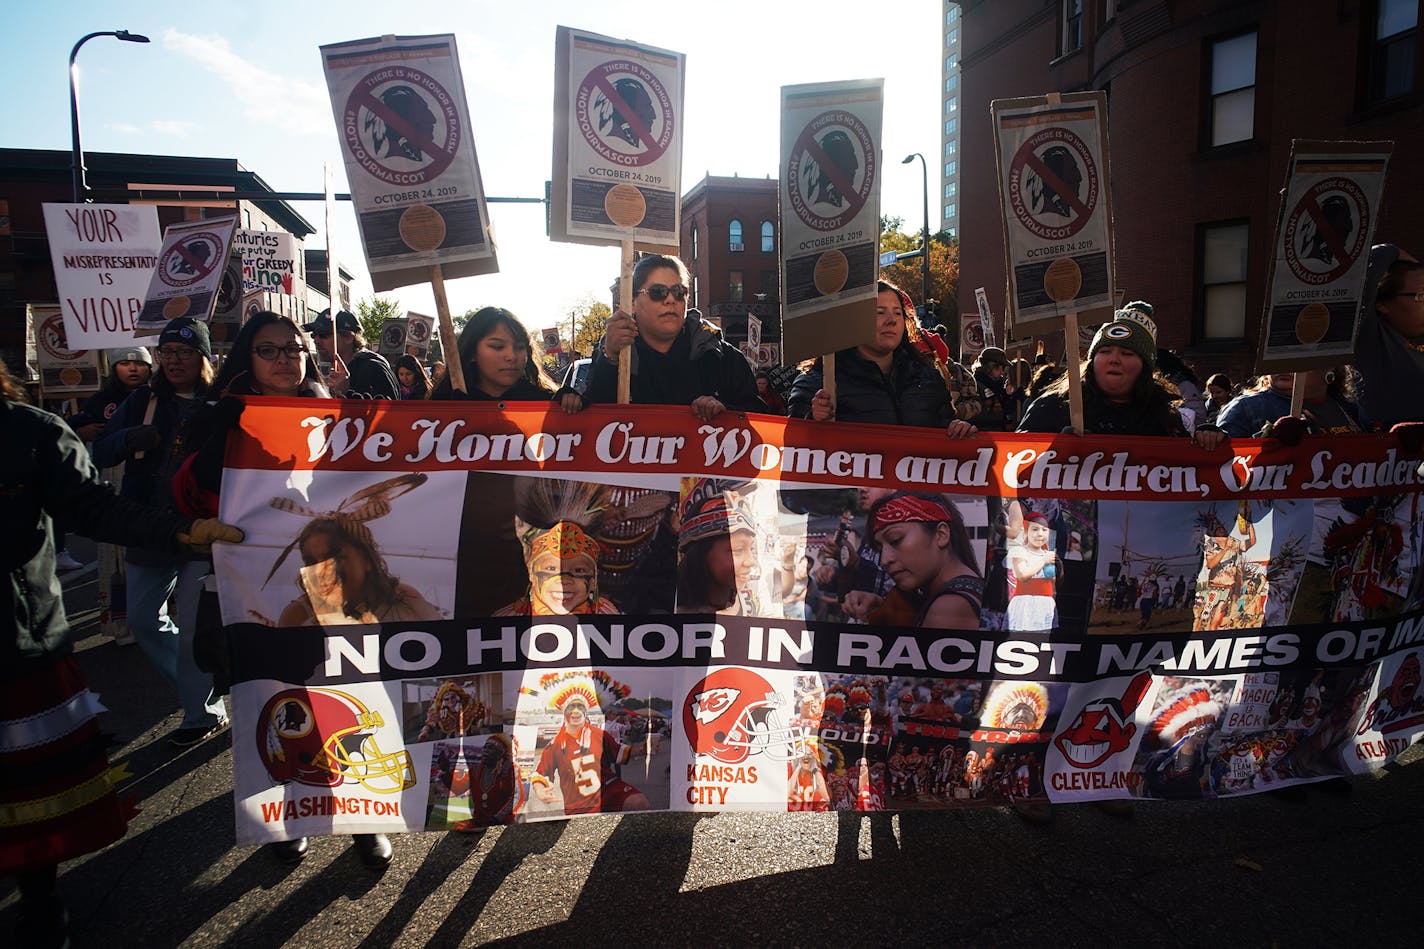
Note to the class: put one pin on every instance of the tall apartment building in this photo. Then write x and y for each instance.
(1204, 99)
(949, 217)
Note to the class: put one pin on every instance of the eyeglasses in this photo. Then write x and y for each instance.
(658, 292)
(269, 352)
(182, 353)
(1418, 296)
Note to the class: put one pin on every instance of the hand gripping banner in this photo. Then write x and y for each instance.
(448, 615)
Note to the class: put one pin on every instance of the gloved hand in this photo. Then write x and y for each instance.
(201, 534)
(1411, 436)
(142, 438)
(1289, 430)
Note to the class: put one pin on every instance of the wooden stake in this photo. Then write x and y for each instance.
(625, 303)
(1075, 378)
(828, 377)
(454, 366)
(1297, 395)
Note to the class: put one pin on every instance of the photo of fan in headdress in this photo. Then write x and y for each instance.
(474, 784)
(718, 550)
(441, 708)
(557, 524)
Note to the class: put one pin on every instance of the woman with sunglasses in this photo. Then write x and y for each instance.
(677, 358)
(501, 362)
(269, 358)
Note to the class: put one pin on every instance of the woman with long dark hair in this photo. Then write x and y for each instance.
(414, 380)
(501, 362)
(925, 548)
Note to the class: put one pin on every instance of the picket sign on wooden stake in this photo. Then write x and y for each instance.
(455, 367)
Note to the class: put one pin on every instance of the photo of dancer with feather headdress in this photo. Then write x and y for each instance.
(557, 525)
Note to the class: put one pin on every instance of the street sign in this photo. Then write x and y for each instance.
(888, 258)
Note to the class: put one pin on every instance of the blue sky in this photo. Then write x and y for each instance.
(244, 81)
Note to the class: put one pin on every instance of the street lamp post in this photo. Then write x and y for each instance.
(925, 237)
(81, 186)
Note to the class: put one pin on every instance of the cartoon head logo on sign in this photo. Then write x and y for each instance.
(1325, 233)
(401, 126)
(191, 260)
(625, 113)
(831, 171)
(1104, 726)
(732, 714)
(1053, 184)
(326, 739)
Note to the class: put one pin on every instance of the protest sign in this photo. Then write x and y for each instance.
(63, 371)
(399, 103)
(564, 615)
(617, 142)
(1052, 156)
(971, 338)
(269, 260)
(188, 275)
(393, 335)
(418, 331)
(104, 256)
(830, 215)
(1320, 254)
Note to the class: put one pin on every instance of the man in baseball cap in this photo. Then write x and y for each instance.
(356, 372)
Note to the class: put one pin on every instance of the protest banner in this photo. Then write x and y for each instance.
(482, 651)
(830, 215)
(63, 371)
(188, 275)
(104, 256)
(399, 103)
(1321, 251)
(1052, 156)
(618, 123)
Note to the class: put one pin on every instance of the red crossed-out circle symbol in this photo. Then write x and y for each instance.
(1325, 232)
(53, 340)
(1053, 184)
(831, 171)
(192, 259)
(401, 126)
(625, 113)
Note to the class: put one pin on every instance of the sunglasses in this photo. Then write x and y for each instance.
(658, 292)
(269, 352)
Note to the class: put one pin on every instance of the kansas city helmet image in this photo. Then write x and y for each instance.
(326, 738)
(733, 713)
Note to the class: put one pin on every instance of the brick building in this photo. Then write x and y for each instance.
(1204, 98)
(729, 245)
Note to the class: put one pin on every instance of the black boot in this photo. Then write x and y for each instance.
(373, 849)
(289, 851)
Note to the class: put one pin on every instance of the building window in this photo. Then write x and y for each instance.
(1233, 89)
(734, 236)
(951, 168)
(1223, 280)
(951, 104)
(768, 237)
(951, 126)
(734, 286)
(1072, 25)
(951, 148)
(1396, 26)
(694, 291)
(694, 240)
(951, 37)
(951, 62)
(951, 210)
(951, 189)
(769, 288)
(952, 83)
(952, 17)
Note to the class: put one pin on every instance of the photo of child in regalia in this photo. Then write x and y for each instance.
(1032, 565)
(719, 549)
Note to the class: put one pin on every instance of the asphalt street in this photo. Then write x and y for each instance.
(1323, 869)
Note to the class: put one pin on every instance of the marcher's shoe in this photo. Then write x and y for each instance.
(373, 849)
(1034, 812)
(1116, 806)
(64, 561)
(289, 851)
(188, 737)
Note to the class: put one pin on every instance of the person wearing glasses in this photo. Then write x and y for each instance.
(150, 433)
(1389, 353)
(356, 372)
(269, 358)
(677, 359)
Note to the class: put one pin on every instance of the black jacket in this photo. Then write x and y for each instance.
(371, 377)
(912, 394)
(1050, 413)
(699, 363)
(44, 472)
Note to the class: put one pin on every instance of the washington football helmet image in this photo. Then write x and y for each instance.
(733, 713)
(326, 739)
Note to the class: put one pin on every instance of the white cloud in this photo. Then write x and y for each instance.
(277, 102)
(174, 127)
(124, 128)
